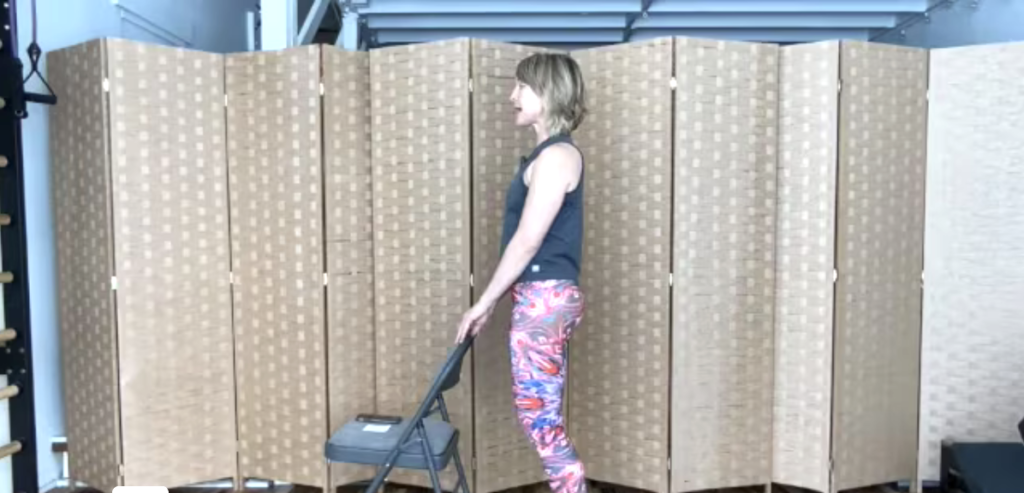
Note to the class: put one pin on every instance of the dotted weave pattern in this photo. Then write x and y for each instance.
(619, 357)
(170, 207)
(349, 203)
(81, 176)
(724, 237)
(274, 164)
(973, 338)
(805, 259)
(880, 235)
(421, 202)
(505, 458)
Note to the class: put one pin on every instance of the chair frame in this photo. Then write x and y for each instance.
(432, 403)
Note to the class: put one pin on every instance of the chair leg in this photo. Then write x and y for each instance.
(463, 482)
(429, 456)
(382, 472)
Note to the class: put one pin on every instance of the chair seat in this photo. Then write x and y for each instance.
(368, 443)
(990, 467)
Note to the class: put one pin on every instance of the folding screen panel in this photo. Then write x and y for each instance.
(85, 244)
(619, 358)
(421, 210)
(277, 247)
(879, 248)
(505, 459)
(849, 258)
(973, 338)
(349, 215)
(170, 218)
(726, 114)
(805, 262)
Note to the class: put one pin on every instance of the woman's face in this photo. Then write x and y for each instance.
(529, 109)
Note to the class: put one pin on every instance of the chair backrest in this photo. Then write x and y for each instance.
(451, 370)
(447, 377)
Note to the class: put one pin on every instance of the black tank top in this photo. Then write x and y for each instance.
(559, 255)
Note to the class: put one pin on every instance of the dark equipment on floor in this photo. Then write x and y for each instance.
(421, 441)
(987, 467)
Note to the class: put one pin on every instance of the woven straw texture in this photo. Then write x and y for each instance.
(619, 358)
(880, 243)
(274, 162)
(349, 202)
(172, 261)
(805, 259)
(724, 258)
(81, 175)
(421, 201)
(974, 269)
(505, 458)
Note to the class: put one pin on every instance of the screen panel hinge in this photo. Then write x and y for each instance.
(672, 83)
(113, 283)
(106, 84)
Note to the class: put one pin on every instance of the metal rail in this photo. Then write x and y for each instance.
(16, 337)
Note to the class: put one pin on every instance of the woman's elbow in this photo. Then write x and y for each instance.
(529, 244)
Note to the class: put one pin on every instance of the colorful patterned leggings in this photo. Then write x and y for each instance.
(544, 315)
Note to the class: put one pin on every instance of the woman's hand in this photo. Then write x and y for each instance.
(474, 320)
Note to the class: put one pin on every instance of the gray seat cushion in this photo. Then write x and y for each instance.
(990, 467)
(368, 443)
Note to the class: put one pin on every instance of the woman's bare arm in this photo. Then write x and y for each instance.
(553, 174)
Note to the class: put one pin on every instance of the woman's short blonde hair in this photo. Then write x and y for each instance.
(558, 81)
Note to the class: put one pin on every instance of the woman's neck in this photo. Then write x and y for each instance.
(541, 133)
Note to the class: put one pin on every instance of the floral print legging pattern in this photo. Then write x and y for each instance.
(544, 315)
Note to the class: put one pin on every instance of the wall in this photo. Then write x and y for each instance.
(200, 24)
(962, 23)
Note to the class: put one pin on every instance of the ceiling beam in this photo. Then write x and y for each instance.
(757, 35)
(808, 6)
(774, 20)
(634, 6)
(505, 21)
(500, 6)
(388, 36)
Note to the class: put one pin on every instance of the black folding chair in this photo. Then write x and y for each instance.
(420, 442)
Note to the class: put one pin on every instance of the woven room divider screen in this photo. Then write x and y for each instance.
(295, 235)
(850, 239)
(149, 385)
(973, 338)
(504, 457)
(624, 277)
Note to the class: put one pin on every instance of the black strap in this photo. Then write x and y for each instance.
(34, 53)
(550, 141)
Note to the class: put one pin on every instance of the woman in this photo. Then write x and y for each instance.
(542, 245)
